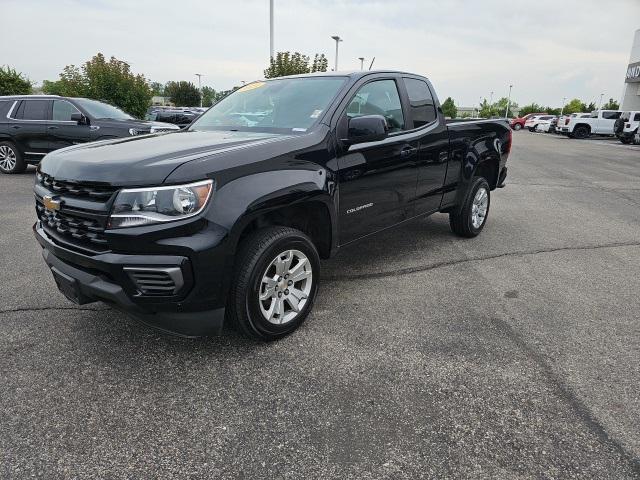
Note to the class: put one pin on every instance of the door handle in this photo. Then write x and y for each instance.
(52, 127)
(16, 127)
(408, 152)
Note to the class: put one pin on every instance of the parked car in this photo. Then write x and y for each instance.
(233, 213)
(545, 124)
(627, 126)
(518, 123)
(33, 125)
(181, 118)
(533, 121)
(563, 122)
(600, 122)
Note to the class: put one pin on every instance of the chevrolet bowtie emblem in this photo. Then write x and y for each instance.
(50, 203)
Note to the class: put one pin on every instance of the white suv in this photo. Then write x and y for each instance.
(532, 122)
(627, 127)
(600, 122)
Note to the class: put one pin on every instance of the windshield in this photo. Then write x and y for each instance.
(98, 109)
(280, 106)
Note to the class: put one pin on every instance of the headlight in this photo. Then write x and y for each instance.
(143, 206)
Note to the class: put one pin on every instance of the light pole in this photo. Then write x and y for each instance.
(564, 99)
(506, 112)
(199, 75)
(361, 62)
(338, 40)
(491, 99)
(270, 29)
(600, 106)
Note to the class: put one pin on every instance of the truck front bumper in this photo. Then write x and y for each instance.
(105, 277)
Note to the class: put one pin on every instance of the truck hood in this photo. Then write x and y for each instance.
(147, 159)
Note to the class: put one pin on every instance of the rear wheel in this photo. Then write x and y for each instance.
(11, 160)
(626, 140)
(275, 282)
(581, 132)
(471, 218)
(517, 127)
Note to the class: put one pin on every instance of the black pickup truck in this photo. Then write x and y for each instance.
(230, 217)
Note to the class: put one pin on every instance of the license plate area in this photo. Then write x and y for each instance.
(69, 287)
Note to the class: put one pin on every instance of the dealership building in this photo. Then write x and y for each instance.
(631, 92)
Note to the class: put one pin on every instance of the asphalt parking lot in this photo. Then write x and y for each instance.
(512, 355)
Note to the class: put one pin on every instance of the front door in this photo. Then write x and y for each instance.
(377, 180)
(62, 131)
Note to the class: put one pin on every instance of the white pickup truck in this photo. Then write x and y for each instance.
(600, 122)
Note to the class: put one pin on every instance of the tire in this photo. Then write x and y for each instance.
(250, 302)
(11, 160)
(517, 127)
(463, 222)
(626, 140)
(532, 129)
(580, 132)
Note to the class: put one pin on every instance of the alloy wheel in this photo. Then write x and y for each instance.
(479, 207)
(8, 158)
(285, 287)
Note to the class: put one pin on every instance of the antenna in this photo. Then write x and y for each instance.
(374, 59)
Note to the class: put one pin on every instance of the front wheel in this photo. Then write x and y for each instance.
(517, 127)
(275, 282)
(471, 218)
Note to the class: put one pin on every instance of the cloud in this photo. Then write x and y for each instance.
(546, 49)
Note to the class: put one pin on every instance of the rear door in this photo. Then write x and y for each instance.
(27, 126)
(62, 131)
(433, 144)
(377, 180)
(606, 122)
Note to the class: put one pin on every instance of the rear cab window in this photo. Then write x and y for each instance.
(611, 115)
(423, 111)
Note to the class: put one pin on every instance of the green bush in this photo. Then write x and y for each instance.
(13, 83)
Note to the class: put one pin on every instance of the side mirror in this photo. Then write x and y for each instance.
(80, 118)
(368, 128)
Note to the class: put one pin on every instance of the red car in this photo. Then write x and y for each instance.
(518, 123)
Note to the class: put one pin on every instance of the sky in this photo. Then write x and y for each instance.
(547, 49)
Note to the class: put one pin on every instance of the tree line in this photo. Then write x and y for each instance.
(498, 108)
(113, 81)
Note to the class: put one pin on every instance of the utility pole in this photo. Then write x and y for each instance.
(564, 99)
(270, 30)
(506, 112)
(371, 65)
(199, 75)
(600, 106)
(361, 62)
(338, 40)
(491, 99)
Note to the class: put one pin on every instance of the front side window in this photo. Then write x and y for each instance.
(379, 97)
(62, 110)
(286, 105)
(33, 110)
(423, 110)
